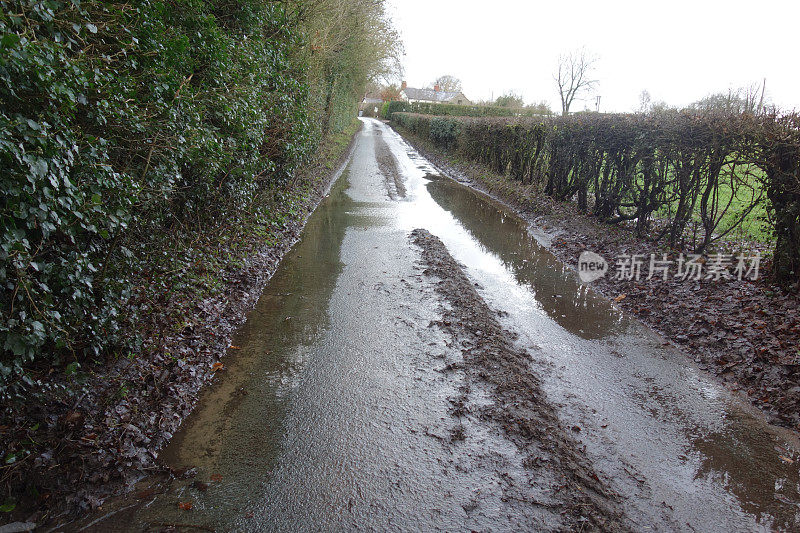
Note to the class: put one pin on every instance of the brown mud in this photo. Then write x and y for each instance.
(518, 403)
(395, 187)
(745, 332)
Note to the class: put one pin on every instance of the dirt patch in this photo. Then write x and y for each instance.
(745, 332)
(519, 405)
(395, 187)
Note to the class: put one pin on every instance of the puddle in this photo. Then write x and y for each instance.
(553, 285)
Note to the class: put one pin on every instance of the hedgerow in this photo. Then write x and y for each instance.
(128, 127)
(428, 108)
(660, 172)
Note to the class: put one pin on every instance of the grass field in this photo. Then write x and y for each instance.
(742, 207)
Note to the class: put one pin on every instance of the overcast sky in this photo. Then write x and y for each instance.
(678, 50)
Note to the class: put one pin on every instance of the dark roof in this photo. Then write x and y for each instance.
(430, 95)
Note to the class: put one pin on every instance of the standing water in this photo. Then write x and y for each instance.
(334, 414)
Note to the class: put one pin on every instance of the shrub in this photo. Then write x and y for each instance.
(444, 131)
(429, 108)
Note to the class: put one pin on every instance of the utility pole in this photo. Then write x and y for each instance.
(598, 103)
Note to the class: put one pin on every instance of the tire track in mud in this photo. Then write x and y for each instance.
(518, 403)
(395, 186)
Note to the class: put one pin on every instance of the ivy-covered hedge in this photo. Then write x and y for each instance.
(662, 172)
(126, 127)
(454, 110)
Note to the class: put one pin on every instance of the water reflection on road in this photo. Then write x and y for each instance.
(329, 416)
(552, 284)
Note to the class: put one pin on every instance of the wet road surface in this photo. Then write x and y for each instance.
(337, 410)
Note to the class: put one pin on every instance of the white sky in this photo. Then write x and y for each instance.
(678, 50)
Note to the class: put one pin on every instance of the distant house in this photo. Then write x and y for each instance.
(432, 96)
(371, 105)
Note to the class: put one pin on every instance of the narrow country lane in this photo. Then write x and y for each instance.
(420, 362)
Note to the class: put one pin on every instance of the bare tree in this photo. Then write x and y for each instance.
(447, 83)
(574, 76)
(645, 101)
(749, 99)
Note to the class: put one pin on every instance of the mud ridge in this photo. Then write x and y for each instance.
(395, 187)
(520, 406)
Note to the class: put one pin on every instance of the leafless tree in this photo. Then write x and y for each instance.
(645, 101)
(749, 99)
(574, 76)
(447, 83)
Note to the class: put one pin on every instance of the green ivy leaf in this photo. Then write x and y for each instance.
(8, 506)
(9, 40)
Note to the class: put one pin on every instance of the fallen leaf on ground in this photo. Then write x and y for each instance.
(216, 477)
(185, 506)
(216, 366)
(620, 297)
(146, 493)
(234, 347)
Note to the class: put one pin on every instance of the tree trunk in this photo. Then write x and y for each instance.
(782, 192)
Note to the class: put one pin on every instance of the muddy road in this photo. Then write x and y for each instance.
(420, 361)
